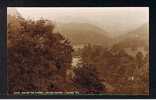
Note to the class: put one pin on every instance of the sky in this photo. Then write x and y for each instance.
(115, 20)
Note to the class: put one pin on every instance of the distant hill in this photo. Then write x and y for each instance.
(84, 33)
(141, 32)
(134, 41)
(136, 38)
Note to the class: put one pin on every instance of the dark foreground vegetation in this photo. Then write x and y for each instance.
(39, 60)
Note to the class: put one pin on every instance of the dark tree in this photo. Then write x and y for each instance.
(37, 57)
(87, 80)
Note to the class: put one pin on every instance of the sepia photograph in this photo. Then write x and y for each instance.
(78, 50)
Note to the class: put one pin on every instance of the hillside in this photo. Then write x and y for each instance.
(84, 33)
(134, 41)
(136, 38)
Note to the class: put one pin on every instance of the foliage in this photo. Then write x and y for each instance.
(87, 80)
(125, 73)
(37, 57)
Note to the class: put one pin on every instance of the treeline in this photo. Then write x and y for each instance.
(124, 73)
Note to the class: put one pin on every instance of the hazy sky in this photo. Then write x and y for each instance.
(116, 20)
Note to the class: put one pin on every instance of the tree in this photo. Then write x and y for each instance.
(37, 57)
(87, 80)
(141, 74)
(117, 67)
(139, 59)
